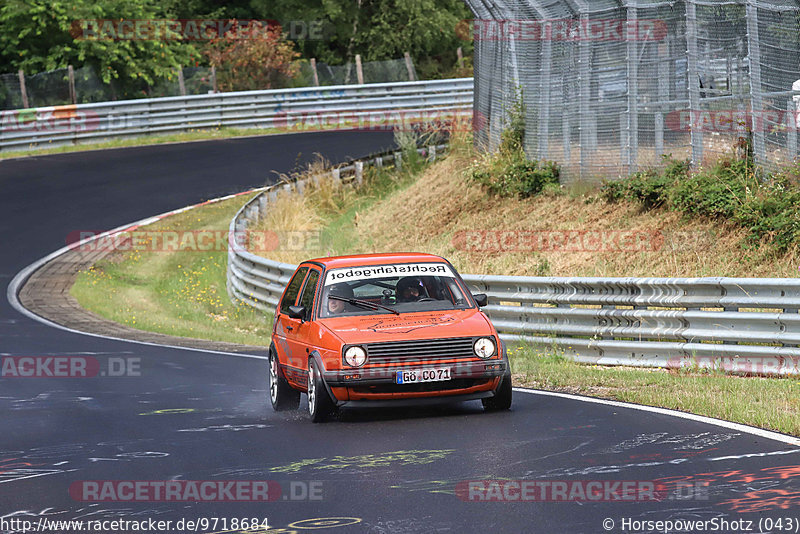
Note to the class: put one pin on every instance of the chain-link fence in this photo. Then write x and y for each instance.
(392, 70)
(609, 87)
(53, 88)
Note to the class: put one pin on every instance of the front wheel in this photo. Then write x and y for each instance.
(281, 394)
(502, 396)
(320, 405)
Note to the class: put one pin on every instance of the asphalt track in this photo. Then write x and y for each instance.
(196, 416)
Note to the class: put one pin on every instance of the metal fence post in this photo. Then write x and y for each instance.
(663, 96)
(544, 101)
(791, 129)
(585, 114)
(633, 88)
(756, 100)
(693, 80)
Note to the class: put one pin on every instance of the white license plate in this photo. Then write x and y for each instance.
(436, 374)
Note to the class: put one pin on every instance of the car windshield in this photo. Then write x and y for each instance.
(402, 288)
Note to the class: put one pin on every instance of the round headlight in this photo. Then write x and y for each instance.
(484, 348)
(355, 356)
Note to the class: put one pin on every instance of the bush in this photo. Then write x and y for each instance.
(730, 191)
(518, 177)
(714, 192)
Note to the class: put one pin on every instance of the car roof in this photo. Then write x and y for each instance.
(335, 262)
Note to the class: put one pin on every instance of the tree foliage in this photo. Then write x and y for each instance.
(263, 60)
(38, 36)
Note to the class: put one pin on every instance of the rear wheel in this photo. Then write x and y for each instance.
(502, 396)
(320, 405)
(281, 394)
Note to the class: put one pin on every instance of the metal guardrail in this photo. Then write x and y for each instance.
(738, 325)
(335, 107)
(259, 282)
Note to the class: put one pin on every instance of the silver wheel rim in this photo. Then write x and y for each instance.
(273, 379)
(312, 390)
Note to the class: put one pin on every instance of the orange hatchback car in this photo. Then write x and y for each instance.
(383, 330)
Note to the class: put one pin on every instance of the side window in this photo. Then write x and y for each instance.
(307, 300)
(293, 289)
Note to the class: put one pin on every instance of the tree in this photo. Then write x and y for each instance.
(260, 60)
(42, 35)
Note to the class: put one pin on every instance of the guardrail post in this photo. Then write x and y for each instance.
(379, 162)
(359, 172)
(398, 161)
(214, 79)
(432, 152)
(336, 175)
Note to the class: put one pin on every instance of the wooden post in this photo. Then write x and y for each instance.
(410, 67)
(460, 55)
(181, 83)
(314, 71)
(214, 79)
(22, 89)
(71, 75)
(359, 71)
(359, 171)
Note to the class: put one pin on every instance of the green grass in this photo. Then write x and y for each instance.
(771, 403)
(180, 293)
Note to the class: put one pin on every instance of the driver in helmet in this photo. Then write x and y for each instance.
(336, 306)
(409, 289)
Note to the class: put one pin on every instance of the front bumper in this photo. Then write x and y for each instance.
(377, 386)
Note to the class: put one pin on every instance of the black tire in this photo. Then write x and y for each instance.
(281, 394)
(320, 405)
(502, 396)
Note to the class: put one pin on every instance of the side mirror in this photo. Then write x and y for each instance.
(297, 312)
(481, 299)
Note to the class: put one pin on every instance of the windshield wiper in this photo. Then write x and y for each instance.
(363, 303)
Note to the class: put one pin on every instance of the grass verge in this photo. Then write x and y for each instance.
(771, 403)
(175, 292)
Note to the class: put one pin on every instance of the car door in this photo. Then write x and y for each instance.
(286, 325)
(300, 332)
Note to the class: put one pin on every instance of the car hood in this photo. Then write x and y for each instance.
(407, 326)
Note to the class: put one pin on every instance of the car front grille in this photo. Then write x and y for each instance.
(402, 352)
